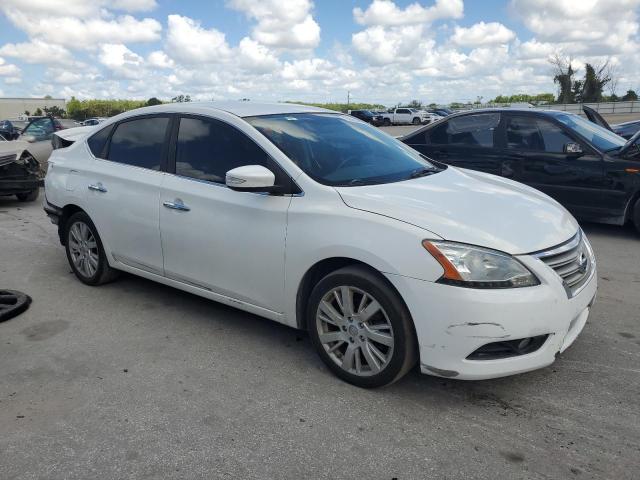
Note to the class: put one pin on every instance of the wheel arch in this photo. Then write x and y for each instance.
(67, 212)
(630, 210)
(321, 269)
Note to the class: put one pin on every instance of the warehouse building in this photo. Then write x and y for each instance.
(14, 108)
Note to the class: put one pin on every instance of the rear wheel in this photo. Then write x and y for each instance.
(85, 252)
(361, 328)
(29, 196)
(416, 121)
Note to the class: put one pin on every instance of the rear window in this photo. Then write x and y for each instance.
(475, 130)
(98, 141)
(139, 142)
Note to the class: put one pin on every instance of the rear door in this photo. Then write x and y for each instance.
(574, 180)
(474, 141)
(122, 189)
(403, 115)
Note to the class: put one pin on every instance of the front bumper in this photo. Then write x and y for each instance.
(22, 185)
(452, 322)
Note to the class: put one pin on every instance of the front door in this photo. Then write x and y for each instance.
(574, 180)
(228, 242)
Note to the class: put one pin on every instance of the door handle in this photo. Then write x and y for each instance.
(97, 187)
(176, 205)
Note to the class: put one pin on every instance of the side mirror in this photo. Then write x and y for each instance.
(573, 149)
(251, 178)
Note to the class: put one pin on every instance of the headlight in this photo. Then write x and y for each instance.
(477, 267)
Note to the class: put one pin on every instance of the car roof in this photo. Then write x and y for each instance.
(535, 111)
(241, 109)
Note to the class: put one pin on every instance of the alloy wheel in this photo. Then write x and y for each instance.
(355, 331)
(83, 249)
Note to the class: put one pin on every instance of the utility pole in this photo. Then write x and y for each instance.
(348, 98)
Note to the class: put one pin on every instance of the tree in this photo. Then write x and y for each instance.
(38, 112)
(47, 97)
(564, 73)
(631, 95)
(415, 104)
(27, 113)
(153, 101)
(54, 111)
(181, 98)
(595, 79)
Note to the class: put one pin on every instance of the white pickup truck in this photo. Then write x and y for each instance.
(406, 116)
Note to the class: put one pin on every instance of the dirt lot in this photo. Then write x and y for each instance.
(138, 380)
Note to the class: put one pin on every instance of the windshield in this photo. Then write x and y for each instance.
(600, 137)
(339, 150)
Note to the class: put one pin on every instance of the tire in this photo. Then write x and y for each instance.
(29, 196)
(386, 122)
(416, 121)
(85, 252)
(378, 345)
(636, 215)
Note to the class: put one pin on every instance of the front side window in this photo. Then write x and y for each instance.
(337, 150)
(470, 130)
(535, 134)
(140, 142)
(207, 149)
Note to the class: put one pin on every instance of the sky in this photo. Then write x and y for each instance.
(378, 51)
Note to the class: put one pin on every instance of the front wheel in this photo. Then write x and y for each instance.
(29, 196)
(416, 121)
(85, 252)
(361, 328)
(386, 122)
(636, 215)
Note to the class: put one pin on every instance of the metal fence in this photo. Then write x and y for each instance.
(604, 107)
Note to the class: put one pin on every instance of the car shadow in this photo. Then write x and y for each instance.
(627, 231)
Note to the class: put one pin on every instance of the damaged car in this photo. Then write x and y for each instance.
(19, 171)
(319, 221)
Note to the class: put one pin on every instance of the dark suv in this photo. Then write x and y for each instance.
(590, 170)
(367, 116)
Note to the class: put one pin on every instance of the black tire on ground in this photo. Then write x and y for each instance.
(386, 122)
(12, 303)
(405, 350)
(29, 196)
(103, 273)
(636, 215)
(416, 121)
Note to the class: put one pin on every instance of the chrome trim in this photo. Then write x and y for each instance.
(97, 188)
(135, 264)
(563, 247)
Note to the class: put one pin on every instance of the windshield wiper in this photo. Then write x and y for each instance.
(422, 172)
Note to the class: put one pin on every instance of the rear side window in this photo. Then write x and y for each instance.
(139, 143)
(471, 130)
(207, 149)
(98, 141)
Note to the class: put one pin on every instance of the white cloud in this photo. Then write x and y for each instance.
(190, 43)
(121, 61)
(482, 34)
(384, 46)
(159, 59)
(38, 51)
(281, 24)
(386, 12)
(255, 57)
(8, 69)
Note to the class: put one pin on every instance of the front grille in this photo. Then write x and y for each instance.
(573, 261)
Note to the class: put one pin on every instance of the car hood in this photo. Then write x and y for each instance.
(14, 146)
(470, 207)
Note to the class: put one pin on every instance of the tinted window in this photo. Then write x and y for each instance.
(207, 149)
(403, 110)
(334, 149)
(602, 138)
(139, 142)
(97, 142)
(536, 134)
(475, 130)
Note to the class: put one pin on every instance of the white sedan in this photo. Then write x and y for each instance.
(319, 221)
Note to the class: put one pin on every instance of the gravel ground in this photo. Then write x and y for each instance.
(138, 380)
